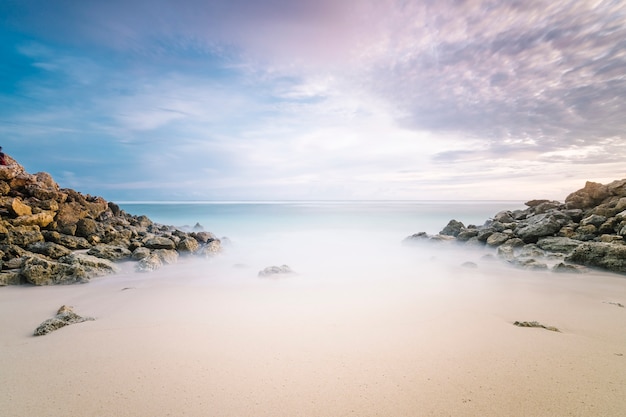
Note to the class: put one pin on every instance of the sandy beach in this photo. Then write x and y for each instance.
(199, 339)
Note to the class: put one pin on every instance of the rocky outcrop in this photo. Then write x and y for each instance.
(587, 230)
(45, 231)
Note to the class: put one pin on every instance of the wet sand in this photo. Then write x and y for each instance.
(208, 339)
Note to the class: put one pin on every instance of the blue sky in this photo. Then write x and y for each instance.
(279, 99)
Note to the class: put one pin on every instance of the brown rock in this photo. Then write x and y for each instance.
(19, 208)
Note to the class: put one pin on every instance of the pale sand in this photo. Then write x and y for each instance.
(205, 340)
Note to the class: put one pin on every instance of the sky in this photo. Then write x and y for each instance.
(315, 99)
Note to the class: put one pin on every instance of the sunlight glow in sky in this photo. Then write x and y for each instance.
(315, 99)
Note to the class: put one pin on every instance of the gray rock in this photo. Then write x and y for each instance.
(50, 249)
(150, 263)
(558, 244)
(594, 219)
(188, 245)
(64, 317)
(110, 252)
(609, 256)
(140, 253)
(453, 228)
(275, 270)
(538, 226)
(497, 239)
(569, 268)
(160, 242)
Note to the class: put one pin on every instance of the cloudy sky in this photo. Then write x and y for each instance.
(315, 99)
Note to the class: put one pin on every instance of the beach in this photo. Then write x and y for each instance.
(211, 338)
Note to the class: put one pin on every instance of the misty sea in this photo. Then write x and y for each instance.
(350, 238)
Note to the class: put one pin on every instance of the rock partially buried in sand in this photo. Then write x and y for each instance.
(275, 270)
(65, 316)
(535, 324)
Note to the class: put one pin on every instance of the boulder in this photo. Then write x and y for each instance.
(453, 228)
(49, 249)
(140, 253)
(275, 270)
(40, 271)
(609, 256)
(537, 226)
(210, 249)
(19, 208)
(188, 245)
(42, 219)
(160, 242)
(110, 252)
(92, 265)
(497, 239)
(167, 256)
(590, 195)
(558, 244)
(64, 317)
(150, 263)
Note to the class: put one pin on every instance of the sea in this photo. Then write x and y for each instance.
(350, 238)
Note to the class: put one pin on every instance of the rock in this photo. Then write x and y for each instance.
(592, 194)
(64, 317)
(50, 249)
(150, 263)
(160, 242)
(20, 209)
(275, 270)
(469, 264)
(140, 253)
(10, 278)
(203, 237)
(167, 256)
(41, 219)
(188, 245)
(569, 268)
(40, 271)
(110, 252)
(453, 228)
(497, 239)
(86, 227)
(535, 324)
(594, 219)
(24, 235)
(609, 256)
(537, 226)
(210, 249)
(416, 237)
(558, 244)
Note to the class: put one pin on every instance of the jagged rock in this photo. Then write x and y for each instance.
(592, 194)
(50, 249)
(86, 227)
(497, 239)
(40, 271)
(151, 262)
(558, 244)
(594, 219)
(64, 317)
(453, 228)
(203, 237)
(140, 253)
(41, 219)
(466, 234)
(160, 242)
(10, 278)
(188, 245)
(275, 270)
(110, 252)
(210, 249)
(167, 256)
(537, 226)
(24, 235)
(609, 256)
(569, 268)
(535, 324)
(19, 208)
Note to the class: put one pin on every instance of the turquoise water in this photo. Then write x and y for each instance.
(247, 219)
(348, 242)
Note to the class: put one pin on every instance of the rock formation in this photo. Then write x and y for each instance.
(587, 230)
(64, 317)
(53, 235)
